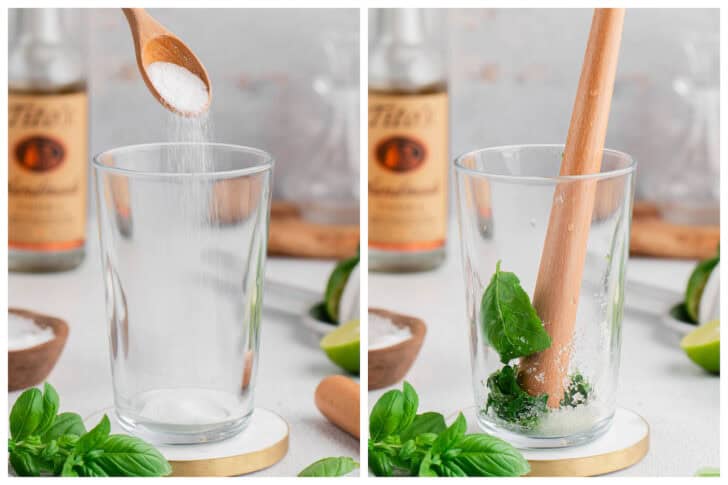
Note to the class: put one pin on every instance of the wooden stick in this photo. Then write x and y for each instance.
(562, 261)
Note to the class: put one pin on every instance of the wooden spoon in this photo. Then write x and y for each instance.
(562, 262)
(154, 43)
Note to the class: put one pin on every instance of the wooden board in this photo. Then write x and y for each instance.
(291, 235)
(653, 236)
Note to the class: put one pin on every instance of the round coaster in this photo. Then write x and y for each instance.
(625, 443)
(261, 444)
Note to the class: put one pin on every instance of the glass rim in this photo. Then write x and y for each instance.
(630, 168)
(266, 163)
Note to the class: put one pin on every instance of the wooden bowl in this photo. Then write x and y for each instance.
(30, 366)
(389, 365)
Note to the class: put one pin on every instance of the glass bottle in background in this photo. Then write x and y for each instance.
(687, 187)
(327, 188)
(47, 145)
(408, 144)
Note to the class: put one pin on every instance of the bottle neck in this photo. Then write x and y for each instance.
(40, 24)
(402, 25)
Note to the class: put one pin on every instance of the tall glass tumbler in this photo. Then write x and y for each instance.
(183, 231)
(505, 196)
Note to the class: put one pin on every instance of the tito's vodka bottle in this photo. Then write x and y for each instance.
(408, 145)
(47, 146)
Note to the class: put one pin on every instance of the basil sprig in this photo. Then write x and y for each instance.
(402, 442)
(44, 442)
(514, 329)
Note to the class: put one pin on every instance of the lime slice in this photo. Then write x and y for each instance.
(335, 286)
(342, 346)
(703, 346)
(696, 285)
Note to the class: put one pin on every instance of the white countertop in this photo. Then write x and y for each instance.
(291, 364)
(678, 399)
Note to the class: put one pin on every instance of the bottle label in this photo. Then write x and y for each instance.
(408, 167)
(47, 171)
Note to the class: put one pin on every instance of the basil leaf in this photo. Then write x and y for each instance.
(93, 470)
(123, 455)
(708, 472)
(509, 402)
(482, 455)
(408, 450)
(411, 401)
(330, 467)
(50, 450)
(24, 463)
(450, 436)
(509, 320)
(93, 438)
(380, 463)
(50, 408)
(65, 424)
(450, 469)
(69, 466)
(426, 439)
(577, 392)
(26, 414)
(387, 415)
(68, 441)
(424, 423)
(425, 469)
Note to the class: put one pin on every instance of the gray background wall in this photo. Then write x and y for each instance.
(513, 77)
(514, 74)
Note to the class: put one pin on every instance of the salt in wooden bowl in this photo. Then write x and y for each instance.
(389, 365)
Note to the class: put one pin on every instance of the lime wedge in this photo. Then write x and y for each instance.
(342, 346)
(703, 346)
(696, 285)
(335, 286)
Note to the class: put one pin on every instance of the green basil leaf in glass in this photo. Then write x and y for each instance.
(509, 320)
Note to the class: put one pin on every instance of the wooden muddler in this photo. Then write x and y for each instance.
(562, 262)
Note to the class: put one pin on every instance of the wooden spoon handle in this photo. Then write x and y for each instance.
(562, 262)
(143, 27)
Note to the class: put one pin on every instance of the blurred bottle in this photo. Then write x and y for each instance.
(408, 144)
(47, 145)
(327, 187)
(687, 187)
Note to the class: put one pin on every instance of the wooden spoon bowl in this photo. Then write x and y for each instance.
(154, 43)
(30, 366)
(389, 365)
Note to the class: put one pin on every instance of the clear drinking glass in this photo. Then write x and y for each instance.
(504, 198)
(183, 252)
